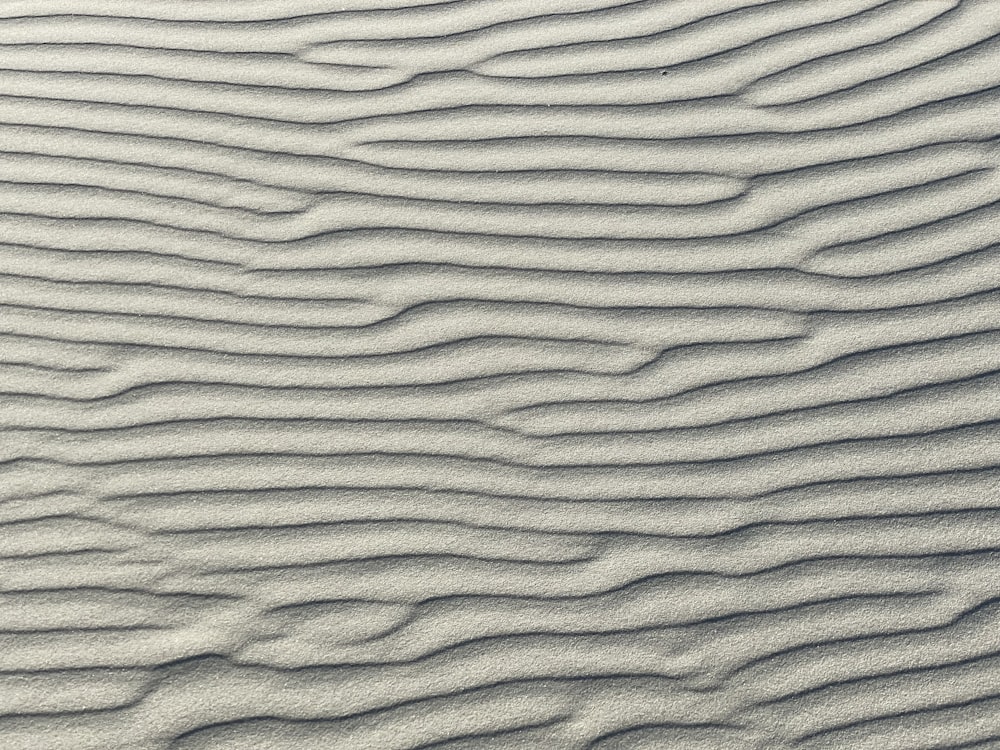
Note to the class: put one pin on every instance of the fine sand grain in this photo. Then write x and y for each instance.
(549, 374)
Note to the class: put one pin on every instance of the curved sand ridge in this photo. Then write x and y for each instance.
(401, 374)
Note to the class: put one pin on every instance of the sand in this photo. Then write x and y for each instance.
(563, 375)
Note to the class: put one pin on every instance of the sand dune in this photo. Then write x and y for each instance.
(398, 374)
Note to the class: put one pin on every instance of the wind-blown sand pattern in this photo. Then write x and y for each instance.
(401, 374)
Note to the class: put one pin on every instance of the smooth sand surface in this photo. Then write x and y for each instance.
(563, 374)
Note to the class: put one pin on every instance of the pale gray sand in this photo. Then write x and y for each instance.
(397, 374)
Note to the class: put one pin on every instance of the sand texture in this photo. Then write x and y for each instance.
(459, 374)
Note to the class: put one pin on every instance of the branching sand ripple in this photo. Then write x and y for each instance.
(592, 374)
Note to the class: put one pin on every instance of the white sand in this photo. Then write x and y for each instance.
(397, 374)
